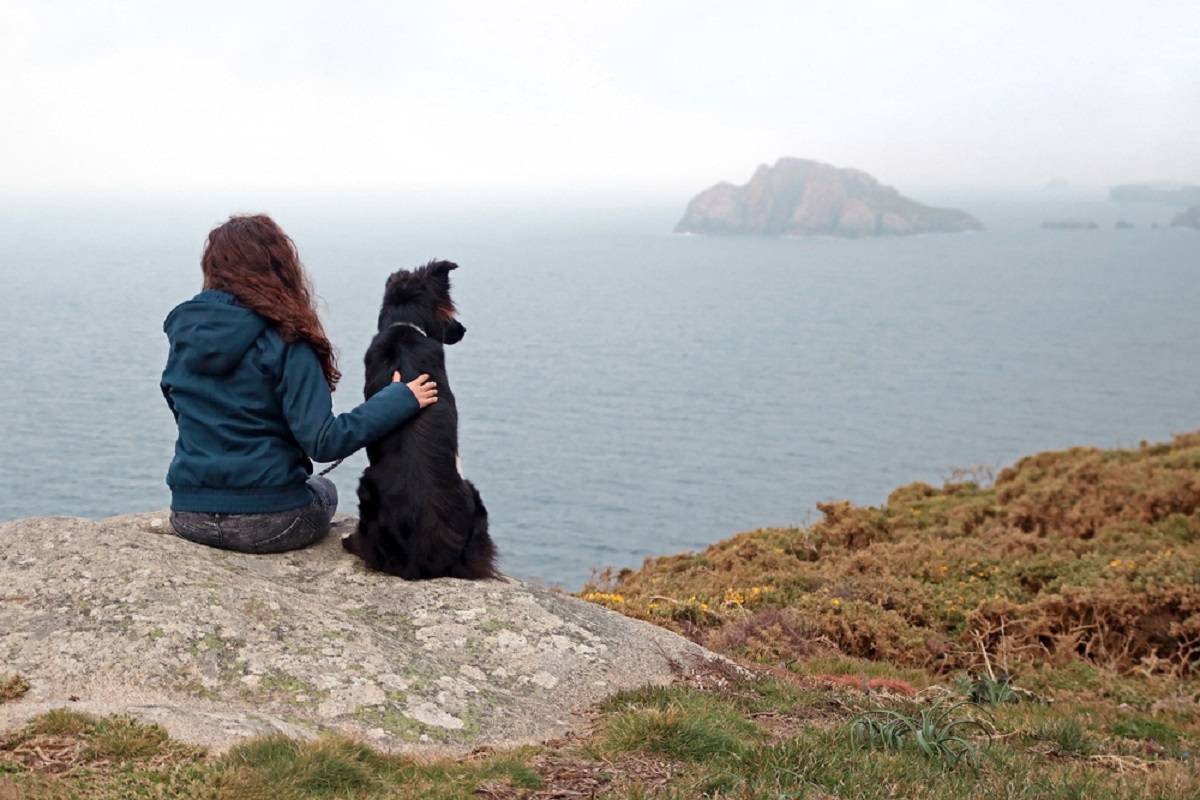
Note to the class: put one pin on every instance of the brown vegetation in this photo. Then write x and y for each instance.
(1084, 554)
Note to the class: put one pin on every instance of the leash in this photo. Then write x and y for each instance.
(338, 463)
(330, 468)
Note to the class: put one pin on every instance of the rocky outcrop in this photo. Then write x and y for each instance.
(118, 616)
(1187, 219)
(797, 197)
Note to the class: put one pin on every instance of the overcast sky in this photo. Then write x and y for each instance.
(650, 97)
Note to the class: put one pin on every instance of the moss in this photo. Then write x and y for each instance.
(277, 682)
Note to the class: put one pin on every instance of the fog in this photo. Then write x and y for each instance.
(553, 99)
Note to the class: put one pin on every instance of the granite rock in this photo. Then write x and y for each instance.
(120, 616)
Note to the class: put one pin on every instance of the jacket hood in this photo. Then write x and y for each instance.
(211, 332)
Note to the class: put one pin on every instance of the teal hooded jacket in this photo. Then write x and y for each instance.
(252, 411)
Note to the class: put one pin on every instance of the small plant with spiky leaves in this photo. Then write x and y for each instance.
(992, 690)
(940, 731)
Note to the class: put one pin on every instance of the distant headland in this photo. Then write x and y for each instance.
(799, 197)
(1174, 194)
(1187, 219)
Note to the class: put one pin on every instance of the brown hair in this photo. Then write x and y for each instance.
(255, 261)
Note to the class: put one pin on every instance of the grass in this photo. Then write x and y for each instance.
(338, 767)
(12, 686)
(63, 754)
(685, 726)
(1068, 736)
(745, 738)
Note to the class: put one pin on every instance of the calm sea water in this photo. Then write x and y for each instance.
(624, 392)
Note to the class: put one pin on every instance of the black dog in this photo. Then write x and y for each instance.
(417, 517)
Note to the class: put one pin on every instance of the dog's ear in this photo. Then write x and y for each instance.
(439, 275)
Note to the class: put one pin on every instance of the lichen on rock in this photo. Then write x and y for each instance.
(119, 616)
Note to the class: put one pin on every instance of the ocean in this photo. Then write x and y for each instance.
(625, 392)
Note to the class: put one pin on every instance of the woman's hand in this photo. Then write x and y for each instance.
(422, 388)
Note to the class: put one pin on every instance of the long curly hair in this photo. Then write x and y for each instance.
(255, 261)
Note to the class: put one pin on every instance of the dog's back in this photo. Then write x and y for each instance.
(418, 517)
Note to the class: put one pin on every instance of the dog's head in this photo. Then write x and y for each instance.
(421, 297)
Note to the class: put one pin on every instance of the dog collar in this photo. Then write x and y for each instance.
(416, 328)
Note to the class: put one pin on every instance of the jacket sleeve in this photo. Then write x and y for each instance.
(308, 408)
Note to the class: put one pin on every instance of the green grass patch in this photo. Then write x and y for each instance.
(1068, 736)
(1155, 736)
(854, 667)
(59, 722)
(279, 768)
(679, 723)
(125, 739)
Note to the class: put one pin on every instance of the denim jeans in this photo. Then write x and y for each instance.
(273, 532)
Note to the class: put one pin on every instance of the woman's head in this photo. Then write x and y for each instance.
(255, 261)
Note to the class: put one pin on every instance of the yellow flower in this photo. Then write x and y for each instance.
(604, 598)
(835, 602)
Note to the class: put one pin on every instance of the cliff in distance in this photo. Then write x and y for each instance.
(799, 197)
(1187, 219)
(1174, 194)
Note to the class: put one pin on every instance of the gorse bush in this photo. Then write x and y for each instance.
(1082, 554)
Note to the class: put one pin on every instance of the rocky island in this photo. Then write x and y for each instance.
(799, 197)
(1187, 219)
(1070, 225)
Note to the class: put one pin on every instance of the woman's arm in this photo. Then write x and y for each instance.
(308, 407)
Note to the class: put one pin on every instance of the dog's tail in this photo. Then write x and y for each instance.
(478, 559)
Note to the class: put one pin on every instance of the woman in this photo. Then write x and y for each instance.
(249, 378)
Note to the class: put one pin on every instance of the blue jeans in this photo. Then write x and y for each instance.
(273, 532)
